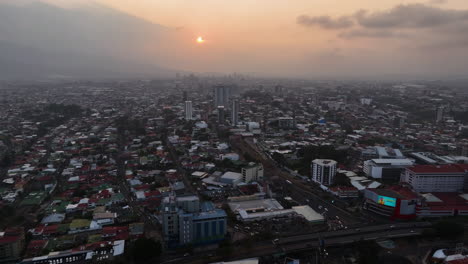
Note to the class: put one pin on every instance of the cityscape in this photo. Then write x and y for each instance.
(169, 166)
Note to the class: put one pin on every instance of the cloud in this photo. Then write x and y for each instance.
(326, 22)
(411, 16)
(365, 33)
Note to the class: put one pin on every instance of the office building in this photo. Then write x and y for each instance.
(323, 171)
(386, 169)
(235, 113)
(253, 172)
(221, 95)
(203, 227)
(188, 110)
(436, 178)
(187, 221)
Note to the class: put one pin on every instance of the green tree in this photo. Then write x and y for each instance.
(449, 229)
(145, 249)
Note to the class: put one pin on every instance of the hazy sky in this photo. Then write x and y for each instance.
(307, 38)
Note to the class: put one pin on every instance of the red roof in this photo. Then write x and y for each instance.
(458, 261)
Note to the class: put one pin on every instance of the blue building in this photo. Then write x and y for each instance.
(199, 223)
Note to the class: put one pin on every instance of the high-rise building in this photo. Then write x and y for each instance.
(323, 171)
(235, 113)
(186, 221)
(439, 114)
(253, 172)
(221, 95)
(188, 110)
(221, 114)
(185, 96)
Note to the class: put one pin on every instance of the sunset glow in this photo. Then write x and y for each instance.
(200, 40)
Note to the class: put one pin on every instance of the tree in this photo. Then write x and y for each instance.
(145, 249)
(449, 229)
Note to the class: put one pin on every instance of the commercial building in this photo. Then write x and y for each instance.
(378, 152)
(323, 171)
(231, 178)
(266, 209)
(253, 172)
(345, 191)
(386, 169)
(188, 110)
(396, 202)
(187, 221)
(436, 178)
(442, 205)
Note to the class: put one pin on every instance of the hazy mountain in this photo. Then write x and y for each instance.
(40, 40)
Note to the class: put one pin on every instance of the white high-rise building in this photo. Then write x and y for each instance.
(323, 171)
(235, 113)
(253, 172)
(188, 110)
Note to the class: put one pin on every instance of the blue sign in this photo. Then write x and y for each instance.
(388, 201)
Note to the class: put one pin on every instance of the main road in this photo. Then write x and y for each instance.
(301, 243)
(297, 189)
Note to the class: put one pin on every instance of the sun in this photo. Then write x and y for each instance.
(200, 39)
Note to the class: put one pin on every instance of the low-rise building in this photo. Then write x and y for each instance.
(386, 169)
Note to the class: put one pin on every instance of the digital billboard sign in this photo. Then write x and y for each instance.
(388, 201)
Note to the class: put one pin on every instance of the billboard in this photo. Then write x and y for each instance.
(388, 201)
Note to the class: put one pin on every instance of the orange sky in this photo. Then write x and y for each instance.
(262, 35)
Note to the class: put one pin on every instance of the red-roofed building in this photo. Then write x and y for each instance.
(442, 204)
(11, 244)
(436, 178)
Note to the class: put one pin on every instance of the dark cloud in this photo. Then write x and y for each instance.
(411, 16)
(366, 33)
(326, 22)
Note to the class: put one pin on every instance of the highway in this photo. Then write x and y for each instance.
(300, 243)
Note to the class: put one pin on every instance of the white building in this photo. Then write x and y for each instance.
(253, 172)
(323, 171)
(232, 178)
(386, 169)
(436, 178)
(188, 110)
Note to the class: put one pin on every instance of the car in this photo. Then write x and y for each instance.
(186, 254)
(392, 226)
(275, 241)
